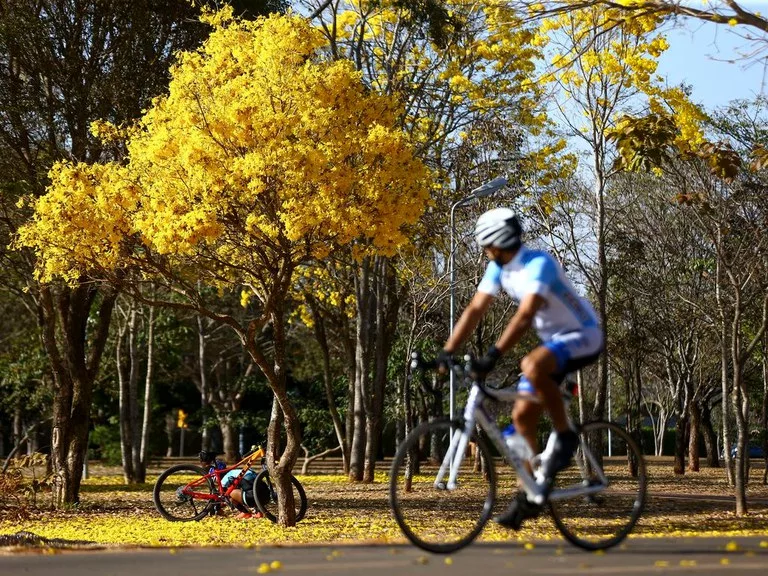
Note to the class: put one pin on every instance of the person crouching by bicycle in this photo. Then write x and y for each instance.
(566, 323)
(239, 495)
(211, 463)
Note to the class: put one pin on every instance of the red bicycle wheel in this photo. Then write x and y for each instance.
(179, 493)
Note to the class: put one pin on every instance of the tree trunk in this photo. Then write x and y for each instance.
(362, 376)
(170, 426)
(681, 429)
(742, 454)
(634, 418)
(372, 443)
(400, 421)
(135, 422)
(764, 410)
(123, 377)
(18, 427)
(357, 451)
(141, 468)
(582, 401)
(386, 308)
(322, 340)
(710, 437)
(280, 468)
(280, 463)
(203, 378)
(740, 399)
(693, 440)
(74, 362)
(349, 422)
(598, 412)
(229, 439)
(724, 381)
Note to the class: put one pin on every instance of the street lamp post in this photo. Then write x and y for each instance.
(480, 192)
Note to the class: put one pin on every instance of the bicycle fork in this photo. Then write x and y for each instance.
(458, 445)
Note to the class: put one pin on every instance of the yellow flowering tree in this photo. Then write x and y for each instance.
(64, 64)
(468, 100)
(262, 156)
(600, 70)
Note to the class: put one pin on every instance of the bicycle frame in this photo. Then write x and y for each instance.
(475, 414)
(223, 494)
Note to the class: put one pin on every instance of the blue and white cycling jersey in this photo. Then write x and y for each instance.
(566, 323)
(230, 476)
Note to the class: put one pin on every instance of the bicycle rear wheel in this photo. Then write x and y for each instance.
(266, 497)
(604, 519)
(434, 518)
(175, 490)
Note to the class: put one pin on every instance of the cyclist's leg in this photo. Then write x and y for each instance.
(564, 353)
(539, 366)
(526, 414)
(543, 370)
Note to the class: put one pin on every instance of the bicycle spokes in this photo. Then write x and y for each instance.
(184, 492)
(431, 513)
(612, 484)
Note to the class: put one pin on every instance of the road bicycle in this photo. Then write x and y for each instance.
(187, 492)
(442, 498)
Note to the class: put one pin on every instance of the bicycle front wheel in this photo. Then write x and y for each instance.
(431, 516)
(601, 520)
(177, 493)
(266, 496)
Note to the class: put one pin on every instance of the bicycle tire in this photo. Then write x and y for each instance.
(443, 529)
(625, 495)
(266, 500)
(174, 507)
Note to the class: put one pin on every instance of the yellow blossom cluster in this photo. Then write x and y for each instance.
(262, 148)
(611, 57)
(83, 219)
(485, 67)
(329, 285)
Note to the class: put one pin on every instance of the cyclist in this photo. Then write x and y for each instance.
(244, 492)
(238, 495)
(567, 326)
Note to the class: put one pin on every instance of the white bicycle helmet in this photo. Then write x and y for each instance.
(500, 228)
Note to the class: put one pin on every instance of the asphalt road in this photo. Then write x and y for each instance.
(641, 556)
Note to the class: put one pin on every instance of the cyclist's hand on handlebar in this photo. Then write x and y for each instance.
(444, 361)
(483, 366)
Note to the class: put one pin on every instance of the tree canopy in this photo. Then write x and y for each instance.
(260, 148)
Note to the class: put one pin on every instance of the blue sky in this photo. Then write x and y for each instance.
(711, 58)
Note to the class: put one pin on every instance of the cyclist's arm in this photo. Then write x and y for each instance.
(520, 322)
(469, 320)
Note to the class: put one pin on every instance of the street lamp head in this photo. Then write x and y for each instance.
(489, 187)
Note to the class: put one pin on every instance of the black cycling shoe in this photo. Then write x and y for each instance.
(557, 456)
(519, 510)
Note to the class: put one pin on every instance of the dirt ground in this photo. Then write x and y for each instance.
(110, 512)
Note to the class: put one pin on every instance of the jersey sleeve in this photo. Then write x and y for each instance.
(229, 477)
(491, 282)
(541, 275)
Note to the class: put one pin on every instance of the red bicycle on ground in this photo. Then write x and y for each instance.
(187, 492)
